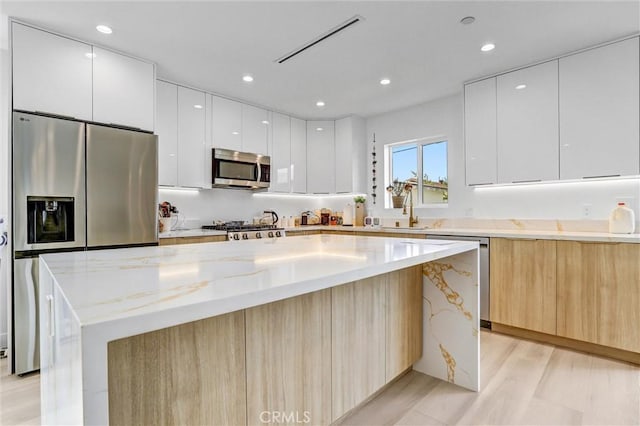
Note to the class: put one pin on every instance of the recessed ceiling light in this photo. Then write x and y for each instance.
(265, 122)
(235, 133)
(104, 29)
(467, 20)
(319, 129)
(521, 86)
(90, 55)
(385, 81)
(488, 47)
(320, 104)
(248, 78)
(197, 106)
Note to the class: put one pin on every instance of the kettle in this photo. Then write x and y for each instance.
(269, 216)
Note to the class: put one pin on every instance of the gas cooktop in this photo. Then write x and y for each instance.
(238, 226)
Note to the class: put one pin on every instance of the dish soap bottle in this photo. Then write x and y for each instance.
(622, 220)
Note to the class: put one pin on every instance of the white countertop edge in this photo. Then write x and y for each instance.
(119, 328)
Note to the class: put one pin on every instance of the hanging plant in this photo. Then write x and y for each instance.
(373, 171)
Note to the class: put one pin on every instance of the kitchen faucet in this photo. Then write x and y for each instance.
(412, 219)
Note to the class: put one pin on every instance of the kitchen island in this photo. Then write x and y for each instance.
(261, 331)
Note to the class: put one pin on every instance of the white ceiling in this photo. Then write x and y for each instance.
(420, 45)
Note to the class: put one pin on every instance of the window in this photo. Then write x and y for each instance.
(424, 157)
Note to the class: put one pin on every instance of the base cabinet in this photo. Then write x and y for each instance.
(599, 293)
(289, 360)
(358, 321)
(171, 376)
(523, 283)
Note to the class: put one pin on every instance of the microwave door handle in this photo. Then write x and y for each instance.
(258, 172)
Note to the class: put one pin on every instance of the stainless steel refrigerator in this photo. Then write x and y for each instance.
(76, 186)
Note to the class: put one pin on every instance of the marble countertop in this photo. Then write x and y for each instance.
(141, 289)
(487, 232)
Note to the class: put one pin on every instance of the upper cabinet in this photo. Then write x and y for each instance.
(575, 117)
(58, 75)
(321, 167)
(255, 125)
(298, 156)
(123, 90)
(167, 130)
(227, 124)
(350, 154)
(183, 136)
(480, 132)
(280, 153)
(51, 74)
(599, 98)
(527, 119)
(191, 137)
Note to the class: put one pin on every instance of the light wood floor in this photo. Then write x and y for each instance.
(523, 383)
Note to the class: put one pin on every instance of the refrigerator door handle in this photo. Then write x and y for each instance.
(52, 318)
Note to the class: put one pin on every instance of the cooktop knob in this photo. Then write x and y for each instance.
(278, 234)
(258, 235)
(270, 234)
(245, 237)
(236, 237)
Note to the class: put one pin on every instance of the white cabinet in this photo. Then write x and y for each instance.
(123, 90)
(480, 132)
(527, 117)
(167, 131)
(321, 172)
(191, 138)
(599, 97)
(227, 124)
(350, 154)
(51, 73)
(254, 129)
(298, 155)
(57, 75)
(280, 153)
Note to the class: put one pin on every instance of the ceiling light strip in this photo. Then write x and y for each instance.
(354, 20)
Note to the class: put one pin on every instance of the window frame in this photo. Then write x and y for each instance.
(388, 172)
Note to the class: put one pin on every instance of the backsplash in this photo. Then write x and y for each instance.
(202, 207)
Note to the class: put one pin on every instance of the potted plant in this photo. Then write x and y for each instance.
(396, 189)
(359, 200)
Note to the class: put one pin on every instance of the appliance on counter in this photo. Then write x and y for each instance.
(240, 170)
(484, 272)
(347, 215)
(238, 230)
(372, 222)
(76, 186)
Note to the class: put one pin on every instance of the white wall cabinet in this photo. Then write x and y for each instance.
(280, 153)
(350, 154)
(527, 120)
(599, 98)
(321, 171)
(51, 73)
(191, 137)
(298, 156)
(57, 75)
(123, 90)
(167, 131)
(227, 124)
(255, 126)
(480, 132)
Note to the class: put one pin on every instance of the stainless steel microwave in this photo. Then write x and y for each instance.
(240, 170)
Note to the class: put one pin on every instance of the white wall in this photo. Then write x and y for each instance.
(5, 255)
(204, 206)
(543, 201)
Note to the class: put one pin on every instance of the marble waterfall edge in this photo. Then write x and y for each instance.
(451, 342)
